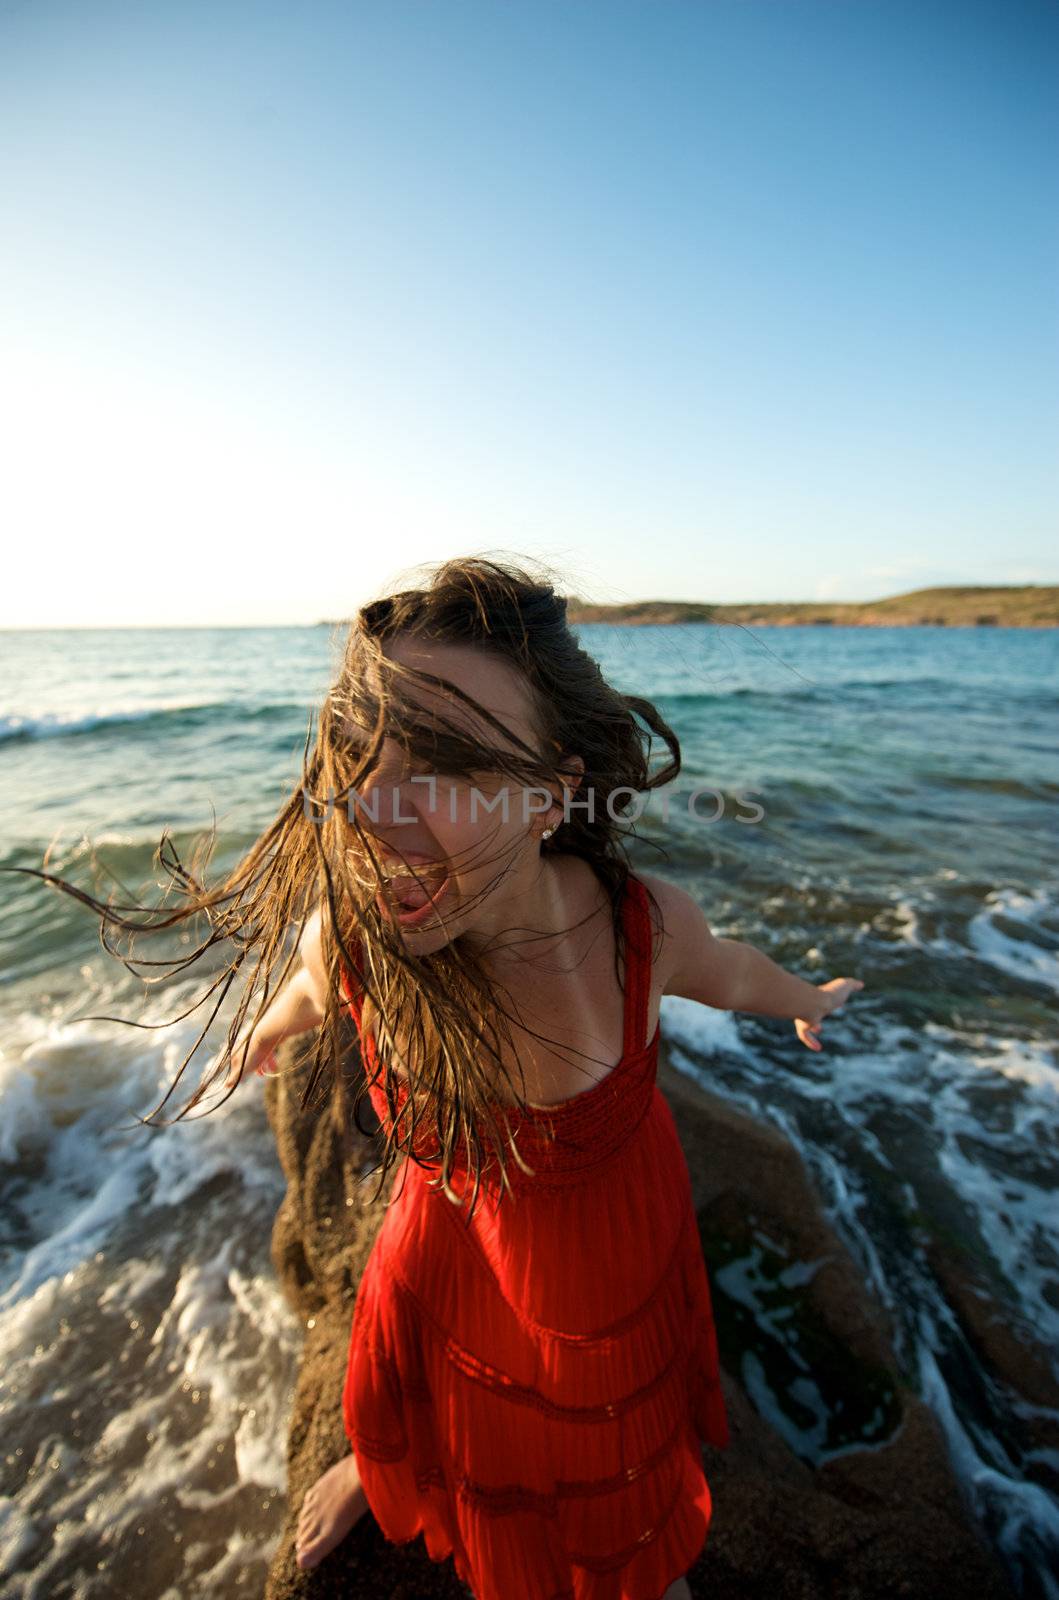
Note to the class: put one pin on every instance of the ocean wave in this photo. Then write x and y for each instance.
(137, 1297)
(50, 725)
(1036, 694)
(999, 784)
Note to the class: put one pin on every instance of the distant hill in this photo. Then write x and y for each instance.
(1015, 606)
(1029, 605)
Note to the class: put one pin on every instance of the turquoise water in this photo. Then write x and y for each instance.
(904, 782)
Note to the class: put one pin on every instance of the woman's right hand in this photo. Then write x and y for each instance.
(253, 1052)
(293, 1010)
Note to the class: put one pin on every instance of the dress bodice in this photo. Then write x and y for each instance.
(573, 1138)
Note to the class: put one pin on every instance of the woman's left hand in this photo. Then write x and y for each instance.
(832, 994)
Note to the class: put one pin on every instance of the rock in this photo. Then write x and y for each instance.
(795, 1321)
(885, 1519)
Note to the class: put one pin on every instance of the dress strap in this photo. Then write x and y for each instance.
(638, 935)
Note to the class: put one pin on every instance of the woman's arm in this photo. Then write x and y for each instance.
(734, 976)
(762, 985)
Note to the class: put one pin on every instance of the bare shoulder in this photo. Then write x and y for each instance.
(676, 908)
(692, 962)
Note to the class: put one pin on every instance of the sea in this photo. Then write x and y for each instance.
(868, 802)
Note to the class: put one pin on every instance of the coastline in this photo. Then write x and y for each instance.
(967, 606)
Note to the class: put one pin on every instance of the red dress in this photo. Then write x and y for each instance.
(530, 1392)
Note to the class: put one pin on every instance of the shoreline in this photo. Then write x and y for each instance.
(961, 606)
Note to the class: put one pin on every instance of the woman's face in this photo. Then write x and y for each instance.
(473, 842)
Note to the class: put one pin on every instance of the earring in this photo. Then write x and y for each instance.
(547, 833)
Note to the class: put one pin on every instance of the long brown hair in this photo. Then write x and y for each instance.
(448, 1011)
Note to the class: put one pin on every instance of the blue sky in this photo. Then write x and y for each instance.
(691, 299)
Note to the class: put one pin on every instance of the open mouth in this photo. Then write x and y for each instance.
(416, 898)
